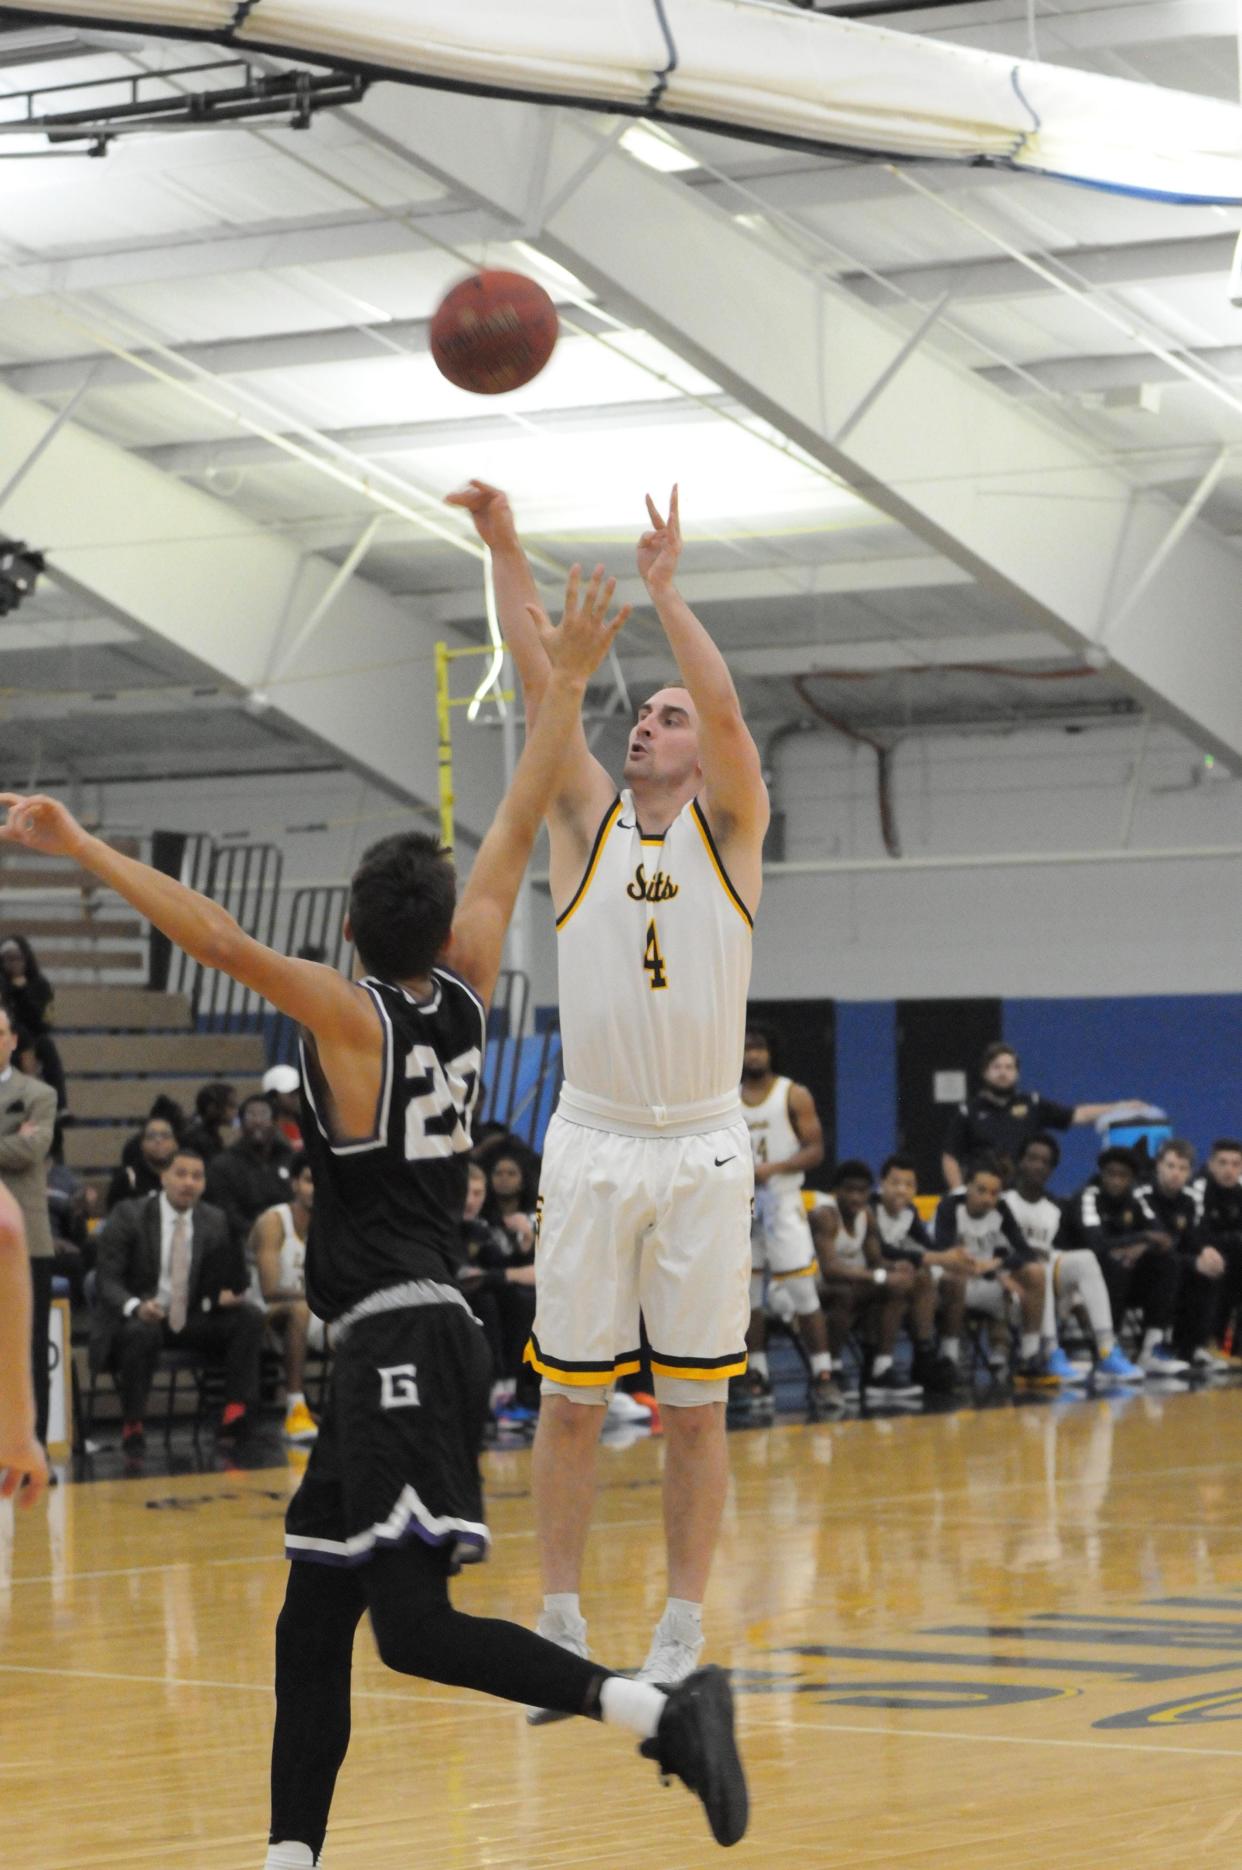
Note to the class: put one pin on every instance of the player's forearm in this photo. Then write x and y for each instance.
(703, 669)
(205, 930)
(515, 588)
(808, 1157)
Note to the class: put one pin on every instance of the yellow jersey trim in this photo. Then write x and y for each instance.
(627, 1364)
(610, 819)
(803, 1272)
(718, 867)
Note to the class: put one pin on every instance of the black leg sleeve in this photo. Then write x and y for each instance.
(418, 1632)
(1118, 1278)
(314, 1665)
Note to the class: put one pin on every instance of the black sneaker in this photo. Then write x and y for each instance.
(694, 1743)
(750, 1398)
(1033, 1373)
(892, 1388)
(824, 1398)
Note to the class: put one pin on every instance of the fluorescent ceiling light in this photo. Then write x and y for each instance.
(656, 150)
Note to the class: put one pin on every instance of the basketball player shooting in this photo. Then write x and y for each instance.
(647, 1169)
(391, 1504)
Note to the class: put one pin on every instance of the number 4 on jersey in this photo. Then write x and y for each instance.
(653, 960)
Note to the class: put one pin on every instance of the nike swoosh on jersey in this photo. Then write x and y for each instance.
(721, 1160)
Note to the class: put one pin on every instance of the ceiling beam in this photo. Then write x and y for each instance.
(1133, 264)
(1028, 507)
(1077, 376)
(191, 572)
(1011, 647)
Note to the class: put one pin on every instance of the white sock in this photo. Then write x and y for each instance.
(563, 1607)
(758, 1361)
(1028, 1345)
(1150, 1341)
(682, 1620)
(289, 1857)
(293, 1399)
(951, 1347)
(881, 1366)
(633, 1705)
(821, 1364)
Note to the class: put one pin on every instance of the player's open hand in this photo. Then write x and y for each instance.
(23, 1469)
(489, 508)
(586, 632)
(38, 823)
(660, 549)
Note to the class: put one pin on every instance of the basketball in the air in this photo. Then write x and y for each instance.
(493, 332)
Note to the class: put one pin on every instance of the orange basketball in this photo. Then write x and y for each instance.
(493, 332)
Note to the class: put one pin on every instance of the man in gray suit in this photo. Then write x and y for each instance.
(170, 1277)
(27, 1123)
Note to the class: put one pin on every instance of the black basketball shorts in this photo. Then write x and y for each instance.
(397, 1456)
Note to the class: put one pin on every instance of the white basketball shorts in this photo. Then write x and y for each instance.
(780, 1239)
(652, 1225)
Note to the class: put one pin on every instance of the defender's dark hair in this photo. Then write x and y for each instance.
(984, 1163)
(853, 1169)
(1045, 1141)
(898, 1162)
(401, 903)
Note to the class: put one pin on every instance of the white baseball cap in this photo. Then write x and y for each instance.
(281, 1078)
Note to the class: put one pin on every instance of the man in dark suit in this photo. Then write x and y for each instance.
(171, 1277)
(27, 1125)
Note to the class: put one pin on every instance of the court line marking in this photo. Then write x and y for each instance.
(479, 1704)
(1004, 1740)
(253, 1688)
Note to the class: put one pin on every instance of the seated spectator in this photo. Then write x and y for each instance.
(282, 1084)
(144, 1175)
(278, 1249)
(513, 1197)
(27, 993)
(1204, 1280)
(1218, 1200)
(168, 1111)
(1000, 1117)
(214, 1126)
(1005, 1282)
(253, 1175)
(1136, 1255)
(859, 1291)
(1074, 1280)
(501, 1291)
(72, 1206)
(939, 1278)
(170, 1277)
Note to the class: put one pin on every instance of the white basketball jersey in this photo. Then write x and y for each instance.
(292, 1253)
(851, 1235)
(1038, 1220)
(654, 957)
(773, 1137)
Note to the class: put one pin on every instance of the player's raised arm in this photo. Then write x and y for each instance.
(584, 790)
(734, 793)
(574, 652)
(334, 1009)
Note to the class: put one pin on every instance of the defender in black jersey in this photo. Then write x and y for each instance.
(390, 1503)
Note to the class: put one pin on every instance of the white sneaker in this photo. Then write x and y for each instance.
(1160, 1362)
(556, 1631)
(622, 1407)
(668, 1661)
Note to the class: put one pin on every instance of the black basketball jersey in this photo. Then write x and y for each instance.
(388, 1206)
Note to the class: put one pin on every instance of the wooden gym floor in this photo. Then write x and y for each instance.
(1003, 1638)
